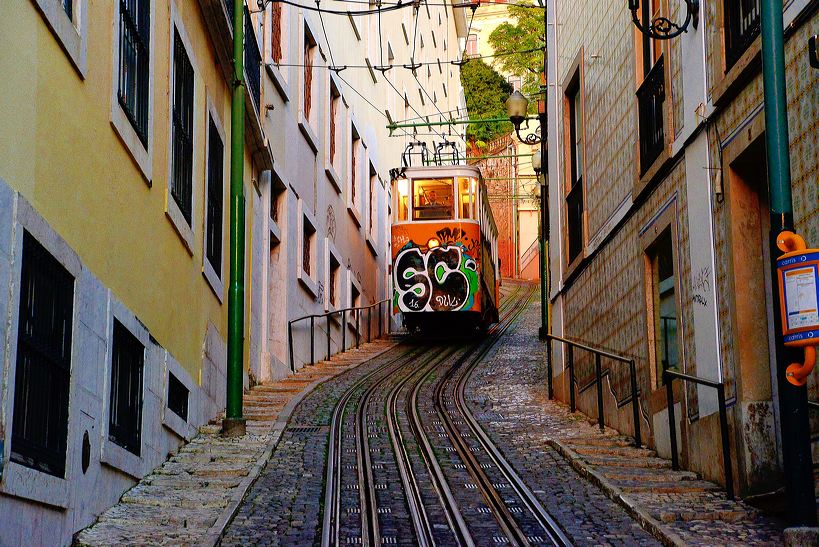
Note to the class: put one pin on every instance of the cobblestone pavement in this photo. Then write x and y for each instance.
(189, 499)
(556, 451)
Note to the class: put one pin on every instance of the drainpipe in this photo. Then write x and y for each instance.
(544, 203)
(234, 423)
(793, 401)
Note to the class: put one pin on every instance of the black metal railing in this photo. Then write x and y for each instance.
(599, 354)
(742, 26)
(668, 378)
(650, 101)
(357, 311)
(253, 58)
(253, 62)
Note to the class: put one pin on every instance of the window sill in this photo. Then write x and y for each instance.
(573, 267)
(29, 484)
(332, 174)
(72, 39)
(275, 233)
(216, 284)
(353, 210)
(309, 134)
(126, 133)
(174, 215)
(644, 181)
(372, 245)
(171, 420)
(307, 283)
(727, 87)
(120, 459)
(275, 73)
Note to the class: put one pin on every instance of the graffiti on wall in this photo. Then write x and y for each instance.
(442, 278)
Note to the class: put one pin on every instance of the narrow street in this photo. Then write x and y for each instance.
(441, 442)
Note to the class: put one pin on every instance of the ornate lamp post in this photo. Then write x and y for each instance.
(663, 28)
(517, 106)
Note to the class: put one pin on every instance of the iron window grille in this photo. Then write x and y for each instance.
(574, 199)
(253, 61)
(43, 368)
(742, 26)
(182, 130)
(125, 418)
(213, 230)
(134, 44)
(177, 397)
(650, 104)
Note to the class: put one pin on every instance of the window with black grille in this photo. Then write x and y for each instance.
(134, 53)
(43, 368)
(125, 420)
(177, 397)
(574, 198)
(182, 129)
(215, 205)
(742, 24)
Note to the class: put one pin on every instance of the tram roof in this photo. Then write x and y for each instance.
(439, 171)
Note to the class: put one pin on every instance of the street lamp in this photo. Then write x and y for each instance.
(517, 106)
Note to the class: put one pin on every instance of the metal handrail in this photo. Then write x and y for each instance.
(329, 315)
(668, 377)
(598, 355)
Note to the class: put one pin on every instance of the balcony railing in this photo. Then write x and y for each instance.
(253, 58)
(742, 26)
(650, 100)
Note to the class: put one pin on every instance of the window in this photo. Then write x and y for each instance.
(125, 419)
(355, 297)
(182, 130)
(373, 216)
(355, 165)
(177, 397)
(213, 229)
(335, 113)
(276, 192)
(278, 30)
(663, 315)
(68, 6)
(432, 199)
(515, 82)
(309, 59)
(335, 275)
(574, 198)
(472, 45)
(134, 42)
(308, 245)
(402, 199)
(742, 26)
(651, 93)
(43, 369)
(466, 187)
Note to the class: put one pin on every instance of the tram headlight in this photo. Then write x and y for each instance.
(433, 242)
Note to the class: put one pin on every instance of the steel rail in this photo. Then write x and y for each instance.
(332, 495)
(547, 522)
(500, 510)
(451, 510)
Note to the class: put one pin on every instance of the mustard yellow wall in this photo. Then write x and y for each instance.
(59, 150)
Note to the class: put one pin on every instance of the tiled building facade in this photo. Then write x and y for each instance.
(659, 239)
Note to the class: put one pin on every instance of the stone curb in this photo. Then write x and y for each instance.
(649, 523)
(217, 530)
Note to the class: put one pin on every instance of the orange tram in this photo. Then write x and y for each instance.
(445, 266)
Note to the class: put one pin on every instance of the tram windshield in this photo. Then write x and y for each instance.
(432, 199)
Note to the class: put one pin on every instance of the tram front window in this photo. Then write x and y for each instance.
(432, 199)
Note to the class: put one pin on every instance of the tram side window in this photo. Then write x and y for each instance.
(402, 194)
(432, 199)
(466, 197)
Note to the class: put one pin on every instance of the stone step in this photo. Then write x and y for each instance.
(622, 451)
(668, 487)
(160, 496)
(600, 440)
(614, 461)
(642, 474)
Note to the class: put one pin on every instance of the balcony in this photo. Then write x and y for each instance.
(742, 26)
(650, 104)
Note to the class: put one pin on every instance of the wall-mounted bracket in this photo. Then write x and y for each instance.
(813, 55)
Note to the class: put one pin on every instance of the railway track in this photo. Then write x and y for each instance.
(416, 492)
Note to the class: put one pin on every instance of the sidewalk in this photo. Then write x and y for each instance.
(192, 496)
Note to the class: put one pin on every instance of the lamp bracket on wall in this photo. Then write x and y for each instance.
(663, 28)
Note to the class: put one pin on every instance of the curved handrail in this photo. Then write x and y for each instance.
(329, 315)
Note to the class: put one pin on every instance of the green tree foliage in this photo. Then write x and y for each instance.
(526, 33)
(486, 92)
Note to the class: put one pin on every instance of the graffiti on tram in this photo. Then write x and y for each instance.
(441, 275)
